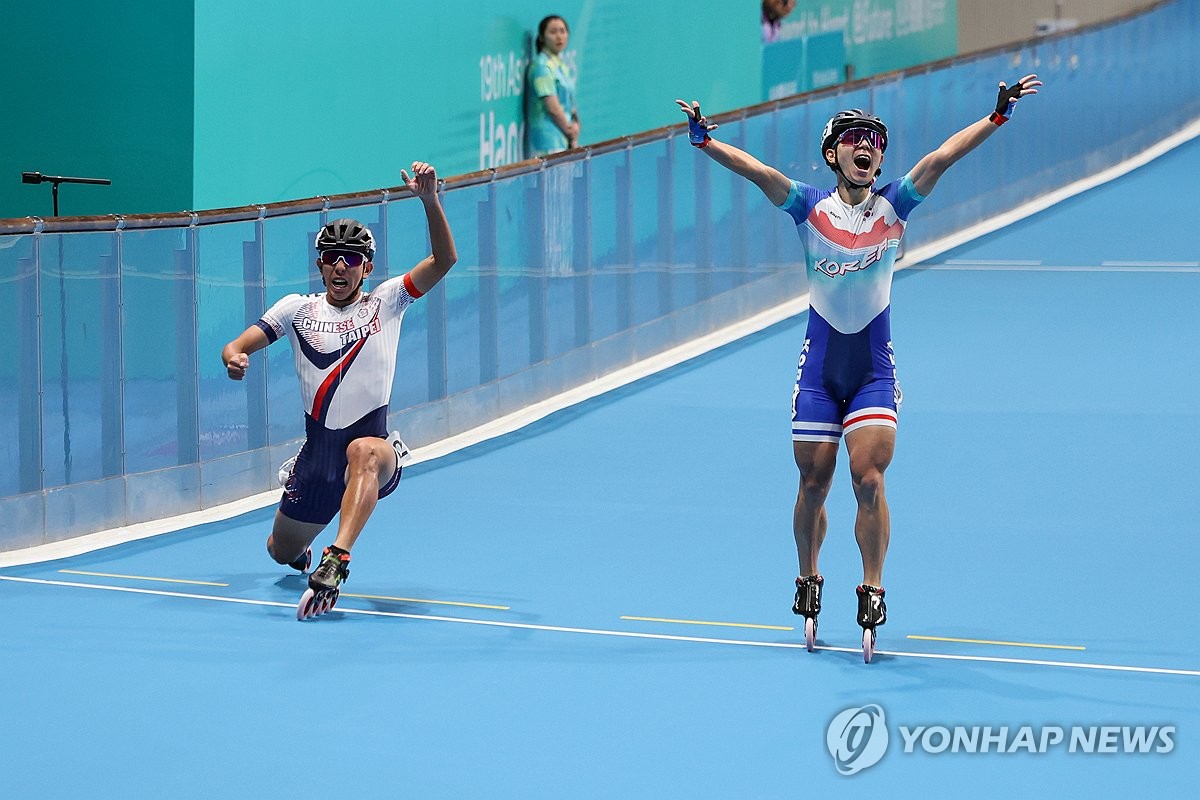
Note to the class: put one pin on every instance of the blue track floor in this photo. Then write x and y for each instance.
(1042, 494)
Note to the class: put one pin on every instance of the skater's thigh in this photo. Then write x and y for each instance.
(290, 536)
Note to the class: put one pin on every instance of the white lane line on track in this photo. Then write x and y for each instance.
(1011, 266)
(618, 634)
(1150, 263)
(988, 262)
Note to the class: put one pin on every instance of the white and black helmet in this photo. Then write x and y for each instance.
(346, 234)
(843, 121)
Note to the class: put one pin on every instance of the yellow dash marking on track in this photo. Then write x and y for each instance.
(140, 578)
(428, 602)
(988, 641)
(722, 624)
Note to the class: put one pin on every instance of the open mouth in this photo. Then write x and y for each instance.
(862, 161)
(339, 283)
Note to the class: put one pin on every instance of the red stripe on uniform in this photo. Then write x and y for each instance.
(879, 233)
(411, 287)
(854, 420)
(333, 377)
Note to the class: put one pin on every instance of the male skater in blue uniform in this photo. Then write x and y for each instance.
(846, 378)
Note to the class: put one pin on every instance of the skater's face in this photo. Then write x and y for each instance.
(859, 154)
(343, 272)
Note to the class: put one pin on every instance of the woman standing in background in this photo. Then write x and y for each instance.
(551, 116)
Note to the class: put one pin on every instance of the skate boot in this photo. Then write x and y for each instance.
(808, 604)
(872, 612)
(302, 563)
(324, 585)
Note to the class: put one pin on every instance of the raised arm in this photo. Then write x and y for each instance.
(431, 269)
(773, 183)
(929, 169)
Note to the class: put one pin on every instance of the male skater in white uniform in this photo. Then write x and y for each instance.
(344, 342)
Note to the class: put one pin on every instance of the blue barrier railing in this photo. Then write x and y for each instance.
(117, 406)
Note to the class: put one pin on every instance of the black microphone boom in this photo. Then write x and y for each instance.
(37, 177)
(55, 180)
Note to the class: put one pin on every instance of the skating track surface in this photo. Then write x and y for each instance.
(598, 605)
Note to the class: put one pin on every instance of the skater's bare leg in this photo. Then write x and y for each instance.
(816, 462)
(871, 449)
(372, 463)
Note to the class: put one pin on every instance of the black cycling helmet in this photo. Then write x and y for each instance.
(346, 234)
(851, 118)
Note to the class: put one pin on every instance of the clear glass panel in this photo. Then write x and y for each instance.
(652, 239)
(728, 228)
(686, 162)
(20, 425)
(770, 235)
(461, 287)
(230, 298)
(407, 244)
(608, 225)
(80, 340)
(516, 305)
(161, 362)
(564, 256)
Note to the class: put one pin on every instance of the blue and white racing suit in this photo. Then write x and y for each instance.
(846, 376)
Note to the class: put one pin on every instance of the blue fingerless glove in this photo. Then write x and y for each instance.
(698, 129)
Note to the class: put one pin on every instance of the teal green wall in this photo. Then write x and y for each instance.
(820, 39)
(197, 104)
(97, 90)
(296, 99)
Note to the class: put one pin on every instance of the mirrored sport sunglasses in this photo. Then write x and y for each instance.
(854, 136)
(330, 258)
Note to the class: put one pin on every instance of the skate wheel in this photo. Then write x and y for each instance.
(305, 608)
(868, 645)
(327, 602)
(810, 632)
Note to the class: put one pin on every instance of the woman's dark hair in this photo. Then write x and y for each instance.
(541, 36)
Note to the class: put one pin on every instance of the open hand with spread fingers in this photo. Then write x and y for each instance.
(698, 124)
(1006, 101)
